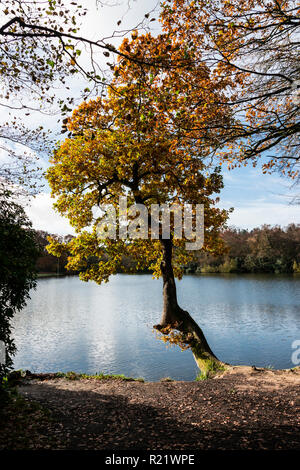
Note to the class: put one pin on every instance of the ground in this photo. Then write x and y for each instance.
(244, 408)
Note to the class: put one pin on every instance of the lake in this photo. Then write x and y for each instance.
(72, 325)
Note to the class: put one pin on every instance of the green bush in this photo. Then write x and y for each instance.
(18, 254)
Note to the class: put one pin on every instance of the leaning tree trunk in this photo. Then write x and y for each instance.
(175, 317)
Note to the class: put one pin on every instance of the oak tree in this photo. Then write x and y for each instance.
(129, 144)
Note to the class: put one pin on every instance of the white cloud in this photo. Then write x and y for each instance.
(247, 215)
(256, 213)
(44, 217)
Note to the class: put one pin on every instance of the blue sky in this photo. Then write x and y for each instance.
(257, 199)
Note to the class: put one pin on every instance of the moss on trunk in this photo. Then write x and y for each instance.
(177, 324)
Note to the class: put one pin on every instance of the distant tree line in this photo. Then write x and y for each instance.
(261, 250)
(47, 263)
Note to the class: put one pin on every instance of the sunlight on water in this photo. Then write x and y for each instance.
(72, 325)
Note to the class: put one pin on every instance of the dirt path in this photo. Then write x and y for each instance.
(243, 409)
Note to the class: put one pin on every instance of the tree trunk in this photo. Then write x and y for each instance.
(176, 318)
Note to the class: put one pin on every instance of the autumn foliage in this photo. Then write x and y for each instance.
(253, 46)
(132, 143)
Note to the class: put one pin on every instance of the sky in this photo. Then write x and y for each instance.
(257, 199)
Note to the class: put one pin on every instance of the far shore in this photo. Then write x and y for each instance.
(42, 275)
(297, 275)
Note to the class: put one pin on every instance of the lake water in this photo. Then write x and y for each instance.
(72, 325)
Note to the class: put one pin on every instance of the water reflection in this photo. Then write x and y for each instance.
(72, 325)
